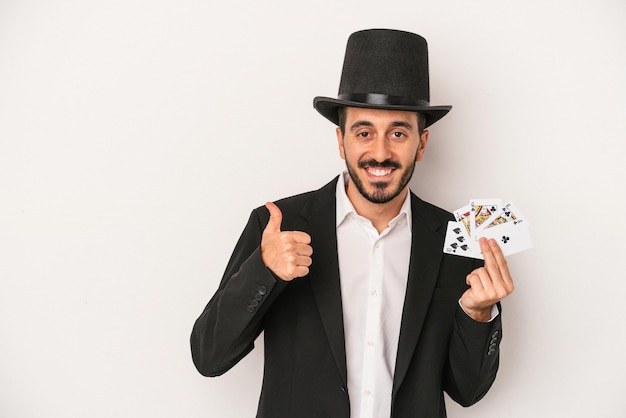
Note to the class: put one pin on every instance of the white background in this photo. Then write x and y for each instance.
(137, 135)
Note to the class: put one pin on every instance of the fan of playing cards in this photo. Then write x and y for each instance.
(487, 218)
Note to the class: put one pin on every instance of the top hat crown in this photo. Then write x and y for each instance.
(384, 69)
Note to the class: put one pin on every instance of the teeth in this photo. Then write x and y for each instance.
(379, 172)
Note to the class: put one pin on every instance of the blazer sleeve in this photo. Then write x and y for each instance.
(473, 357)
(225, 331)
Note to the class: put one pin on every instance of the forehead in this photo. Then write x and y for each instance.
(380, 116)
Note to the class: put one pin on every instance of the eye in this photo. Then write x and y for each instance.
(363, 135)
(397, 135)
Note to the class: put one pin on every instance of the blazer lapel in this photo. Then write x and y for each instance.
(324, 272)
(426, 256)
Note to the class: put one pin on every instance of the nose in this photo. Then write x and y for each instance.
(381, 149)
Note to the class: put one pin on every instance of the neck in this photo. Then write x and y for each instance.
(379, 214)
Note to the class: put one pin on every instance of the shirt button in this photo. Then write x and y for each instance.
(367, 392)
(377, 245)
(374, 293)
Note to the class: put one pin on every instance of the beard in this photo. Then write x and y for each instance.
(383, 191)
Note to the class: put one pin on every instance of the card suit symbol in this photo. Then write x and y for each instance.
(505, 239)
(493, 208)
(454, 245)
(507, 213)
(457, 230)
(460, 239)
(464, 247)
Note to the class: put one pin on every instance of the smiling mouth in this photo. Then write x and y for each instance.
(378, 171)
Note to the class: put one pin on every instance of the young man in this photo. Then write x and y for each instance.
(363, 314)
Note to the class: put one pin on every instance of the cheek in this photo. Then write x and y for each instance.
(353, 156)
(350, 152)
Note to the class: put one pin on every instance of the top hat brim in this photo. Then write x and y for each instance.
(329, 108)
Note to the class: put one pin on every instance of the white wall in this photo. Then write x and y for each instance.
(136, 136)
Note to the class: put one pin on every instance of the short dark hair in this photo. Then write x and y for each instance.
(341, 111)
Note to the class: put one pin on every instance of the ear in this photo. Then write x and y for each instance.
(342, 152)
(421, 148)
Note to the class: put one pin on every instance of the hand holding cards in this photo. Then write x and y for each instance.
(487, 218)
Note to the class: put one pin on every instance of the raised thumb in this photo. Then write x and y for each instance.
(276, 218)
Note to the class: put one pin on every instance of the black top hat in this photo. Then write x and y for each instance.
(384, 69)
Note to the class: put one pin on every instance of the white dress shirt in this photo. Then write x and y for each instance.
(374, 269)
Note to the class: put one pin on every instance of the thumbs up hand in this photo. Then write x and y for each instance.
(286, 253)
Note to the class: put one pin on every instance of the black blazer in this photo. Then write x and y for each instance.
(440, 347)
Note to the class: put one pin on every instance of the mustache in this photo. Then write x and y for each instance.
(376, 164)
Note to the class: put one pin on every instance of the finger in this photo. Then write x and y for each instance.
(276, 218)
(496, 264)
(301, 271)
(294, 239)
(482, 293)
(482, 287)
(490, 288)
(475, 282)
(299, 268)
(472, 298)
(303, 249)
(300, 237)
(304, 261)
(486, 288)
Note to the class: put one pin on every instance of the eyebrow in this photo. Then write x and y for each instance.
(359, 124)
(396, 124)
(402, 124)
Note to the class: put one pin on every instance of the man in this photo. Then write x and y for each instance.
(363, 314)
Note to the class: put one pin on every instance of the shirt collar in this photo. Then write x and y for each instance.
(345, 207)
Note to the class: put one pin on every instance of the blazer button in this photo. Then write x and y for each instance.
(250, 308)
(254, 303)
(258, 296)
(490, 352)
(262, 290)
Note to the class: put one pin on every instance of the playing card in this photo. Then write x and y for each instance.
(508, 213)
(482, 211)
(512, 237)
(457, 240)
(463, 215)
(490, 219)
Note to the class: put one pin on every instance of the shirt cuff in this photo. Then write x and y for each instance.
(494, 311)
